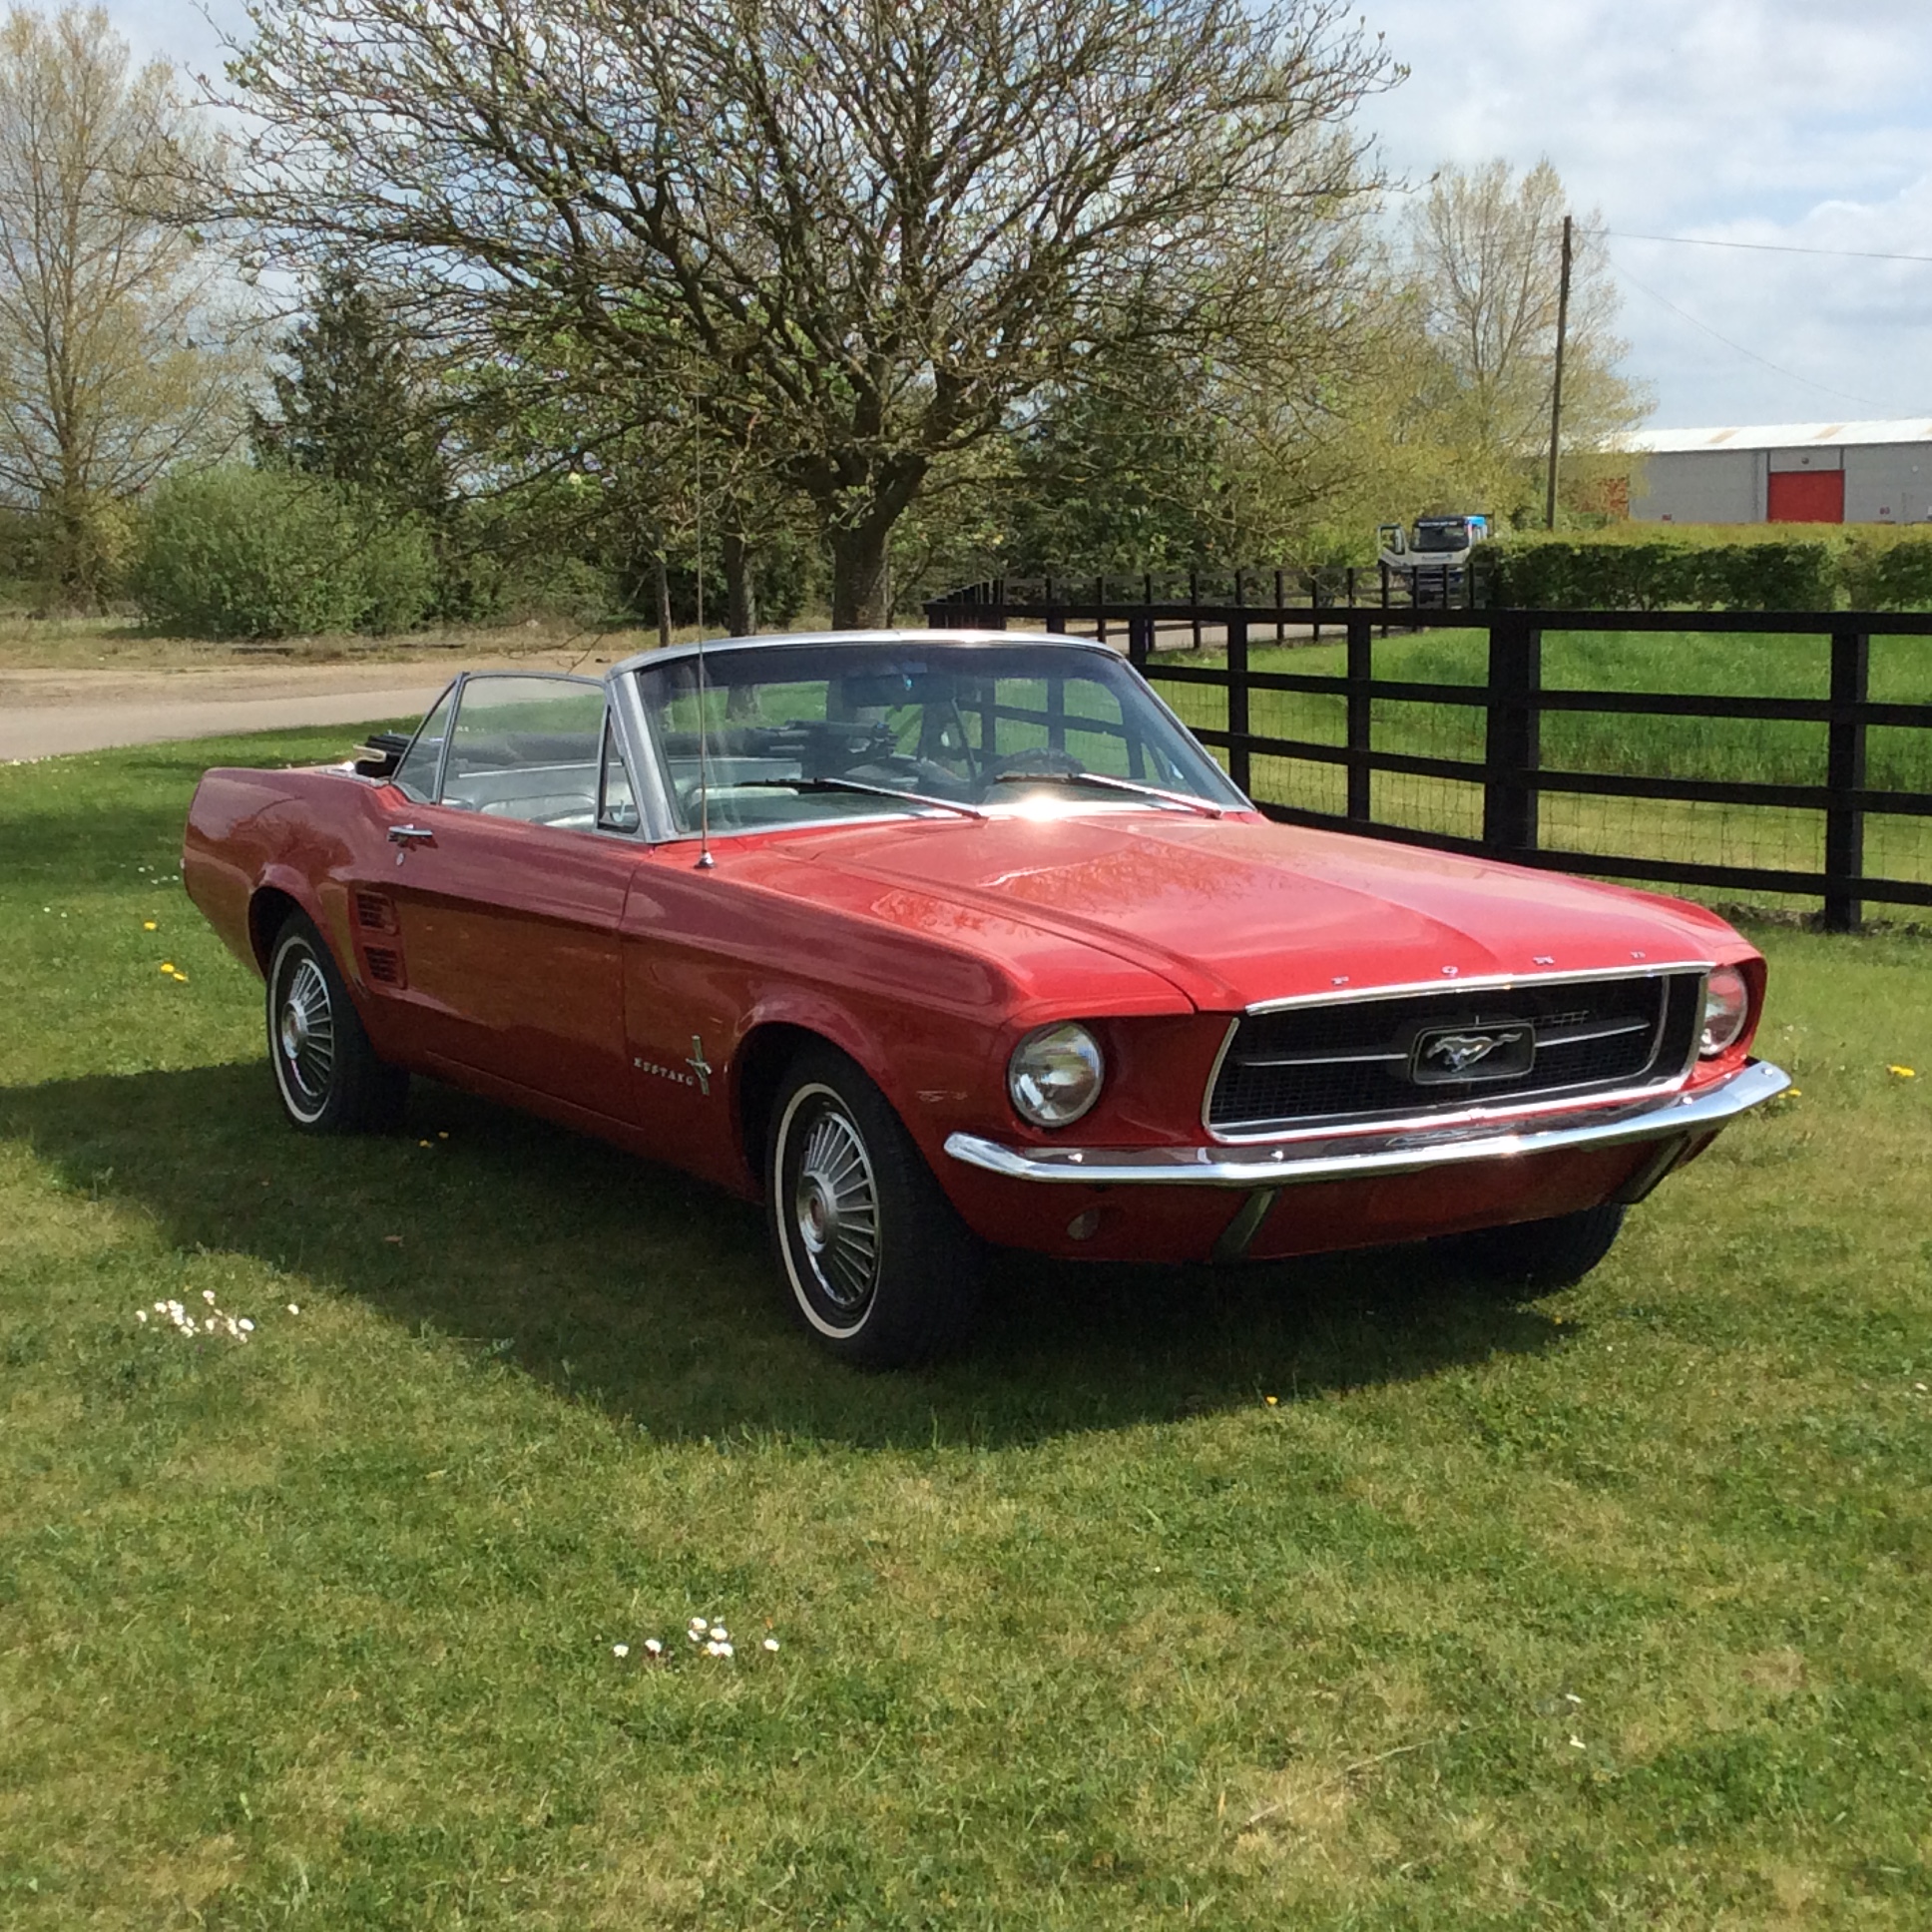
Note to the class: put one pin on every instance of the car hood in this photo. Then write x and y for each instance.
(1239, 910)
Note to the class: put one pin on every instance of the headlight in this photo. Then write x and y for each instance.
(1726, 1006)
(1054, 1073)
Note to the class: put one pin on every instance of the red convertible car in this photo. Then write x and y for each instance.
(935, 940)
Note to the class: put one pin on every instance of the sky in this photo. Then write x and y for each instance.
(1788, 124)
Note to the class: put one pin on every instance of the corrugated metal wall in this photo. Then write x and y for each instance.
(1883, 483)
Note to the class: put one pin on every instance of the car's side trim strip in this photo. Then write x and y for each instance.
(1362, 1157)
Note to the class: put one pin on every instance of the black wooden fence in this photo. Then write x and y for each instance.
(1829, 820)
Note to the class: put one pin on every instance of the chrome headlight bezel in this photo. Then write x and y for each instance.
(1054, 1075)
(1726, 1010)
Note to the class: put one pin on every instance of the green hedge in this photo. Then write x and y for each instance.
(1644, 567)
(246, 553)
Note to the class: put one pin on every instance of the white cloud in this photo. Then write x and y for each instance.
(1763, 121)
(186, 33)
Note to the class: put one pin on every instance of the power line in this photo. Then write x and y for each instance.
(1763, 248)
(1790, 375)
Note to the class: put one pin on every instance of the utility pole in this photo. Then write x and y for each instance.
(1556, 386)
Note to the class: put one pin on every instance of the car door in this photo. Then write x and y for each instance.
(507, 890)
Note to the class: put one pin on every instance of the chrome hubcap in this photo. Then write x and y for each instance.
(306, 1030)
(836, 1207)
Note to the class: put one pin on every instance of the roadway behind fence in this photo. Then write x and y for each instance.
(1518, 733)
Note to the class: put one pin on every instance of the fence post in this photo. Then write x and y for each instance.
(1140, 640)
(1280, 603)
(1515, 736)
(1314, 600)
(1361, 667)
(1238, 725)
(1844, 823)
(1100, 609)
(1193, 605)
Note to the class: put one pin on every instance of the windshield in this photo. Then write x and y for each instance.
(1453, 535)
(994, 727)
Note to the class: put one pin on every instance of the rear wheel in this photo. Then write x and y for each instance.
(326, 1071)
(879, 1268)
(1535, 1256)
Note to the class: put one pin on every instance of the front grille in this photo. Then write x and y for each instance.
(1423, 1053)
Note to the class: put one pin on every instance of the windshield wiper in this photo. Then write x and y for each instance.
(854, 784)
(1155, 792)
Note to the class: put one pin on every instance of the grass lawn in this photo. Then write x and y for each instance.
(1312, 1596)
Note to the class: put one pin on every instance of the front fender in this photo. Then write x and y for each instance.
(933, 1075)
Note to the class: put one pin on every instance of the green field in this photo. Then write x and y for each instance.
(1704, 662)
(1331, 1595)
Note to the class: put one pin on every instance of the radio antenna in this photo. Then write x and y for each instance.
(705, 861)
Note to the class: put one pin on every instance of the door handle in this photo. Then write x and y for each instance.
(408, 835)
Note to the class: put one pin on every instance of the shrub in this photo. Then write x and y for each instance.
(1645, 567)
(1889, 571)
(244, 553)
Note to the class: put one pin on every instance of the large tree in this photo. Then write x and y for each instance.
(112, 342)
(862, 232)
(1486, 257)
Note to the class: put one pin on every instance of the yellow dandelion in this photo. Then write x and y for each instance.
(1904, 1073)
(167, 965)
(1274, 1401)
(182, 977)
(151, 925)
(422, 1143)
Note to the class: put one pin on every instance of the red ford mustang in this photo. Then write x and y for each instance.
(937, 940)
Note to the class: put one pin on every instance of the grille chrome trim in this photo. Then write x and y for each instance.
(1661, 1084)
(1474, 983)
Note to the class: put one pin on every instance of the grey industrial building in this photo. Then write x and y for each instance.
(1841, 472)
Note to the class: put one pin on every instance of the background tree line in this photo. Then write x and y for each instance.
(597, 306)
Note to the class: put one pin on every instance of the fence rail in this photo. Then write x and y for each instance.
(1213, 681)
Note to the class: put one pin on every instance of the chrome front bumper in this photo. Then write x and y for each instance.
(1676, 1119)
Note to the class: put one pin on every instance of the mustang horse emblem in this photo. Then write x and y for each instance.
(1459, 1050)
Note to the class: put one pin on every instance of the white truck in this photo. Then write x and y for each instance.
(1432, 558)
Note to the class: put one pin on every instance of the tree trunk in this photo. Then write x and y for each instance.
(661, 579)
(859, 545)
(740, 589)
(859, 577)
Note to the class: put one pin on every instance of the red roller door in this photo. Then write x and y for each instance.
(1807, 496)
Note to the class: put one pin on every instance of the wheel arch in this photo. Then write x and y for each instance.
(269, 910)
(759, 1071)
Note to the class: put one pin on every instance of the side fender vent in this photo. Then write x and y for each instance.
(374, 913)
(384, 964)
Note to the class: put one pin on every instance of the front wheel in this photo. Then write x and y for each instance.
(880, 1269)
(326, 1071)
(1535, 1256)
